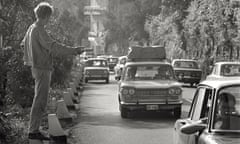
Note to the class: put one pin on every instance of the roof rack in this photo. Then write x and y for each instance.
(149, 53)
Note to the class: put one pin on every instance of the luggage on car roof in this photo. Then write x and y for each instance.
(149, 53)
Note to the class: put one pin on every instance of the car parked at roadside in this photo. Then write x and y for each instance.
(214, 116)
(148, 83)
(96, 69)
(187, 71)
(224, 70)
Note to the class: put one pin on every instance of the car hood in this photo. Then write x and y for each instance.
(96, 68)
(187, 69)
(224, 139)
(150, 84)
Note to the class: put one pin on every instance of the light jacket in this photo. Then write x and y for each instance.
(39, 48)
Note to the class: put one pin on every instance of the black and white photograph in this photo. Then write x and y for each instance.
(119, 71)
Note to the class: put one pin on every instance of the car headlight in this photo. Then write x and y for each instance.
(128, 91)
(131, 91)
(124, 91)
(171, 91)
(174, 91)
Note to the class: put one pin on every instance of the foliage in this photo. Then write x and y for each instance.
(16, 82)
(127, 22)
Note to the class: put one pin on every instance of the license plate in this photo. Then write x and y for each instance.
(152, 107)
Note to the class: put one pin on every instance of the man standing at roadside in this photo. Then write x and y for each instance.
(39, 50)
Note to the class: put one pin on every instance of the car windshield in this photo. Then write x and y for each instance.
(113, 60)
(148, 72)
(230, 70)
(96, 63)
(186, 64)
(227, 110)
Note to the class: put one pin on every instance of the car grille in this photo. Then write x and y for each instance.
(96, 72)
(155, 94)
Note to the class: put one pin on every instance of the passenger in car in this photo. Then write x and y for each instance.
(225, 108)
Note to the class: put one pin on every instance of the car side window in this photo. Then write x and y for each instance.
(201, 103)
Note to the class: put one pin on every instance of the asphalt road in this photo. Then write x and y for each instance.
(100, 121)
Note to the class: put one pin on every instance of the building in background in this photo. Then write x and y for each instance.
(95, 10)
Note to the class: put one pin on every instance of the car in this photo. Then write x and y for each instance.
(225, 69)
(149, 85)
(119, 66)
(112, 62)
(187, 71)
(96, 69)
(214, 116)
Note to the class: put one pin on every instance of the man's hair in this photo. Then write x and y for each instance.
(43, 10)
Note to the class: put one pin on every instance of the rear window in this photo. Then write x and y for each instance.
(230, 70)
(186, 64)
(149, 72)
(96, 63)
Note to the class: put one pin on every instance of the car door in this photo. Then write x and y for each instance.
(199, 110)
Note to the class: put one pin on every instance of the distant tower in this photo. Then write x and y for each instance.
(95, 10)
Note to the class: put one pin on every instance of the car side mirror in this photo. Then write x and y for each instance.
(193, 128)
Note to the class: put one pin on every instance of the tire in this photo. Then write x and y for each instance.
(191, 84)
(177, 112)
(107, 80)
(124, 112)
(86, 80)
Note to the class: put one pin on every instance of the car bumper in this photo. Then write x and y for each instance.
(189, 80)
(151, 106)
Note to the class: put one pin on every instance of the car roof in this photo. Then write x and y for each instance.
(184, 60)
(227, 62)
(221, 82)
(96, 59)
(147, 62)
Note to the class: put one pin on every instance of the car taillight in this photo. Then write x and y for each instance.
(174, 91)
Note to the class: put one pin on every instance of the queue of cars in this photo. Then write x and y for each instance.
(148, 82)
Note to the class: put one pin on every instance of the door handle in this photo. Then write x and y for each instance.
(182, 122)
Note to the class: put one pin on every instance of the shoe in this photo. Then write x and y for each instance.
(38, 136)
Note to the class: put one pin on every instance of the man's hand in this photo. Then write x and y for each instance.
(79, 49)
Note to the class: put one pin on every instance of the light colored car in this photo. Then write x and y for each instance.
(225, 70)
(187, 71)
(119, 66)
(214, 116)
(96, 69)
(149, 86)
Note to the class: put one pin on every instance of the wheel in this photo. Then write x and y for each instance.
(107, 80)
(191, 84)
(177, 112)
(86, 80)
(124, 112)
